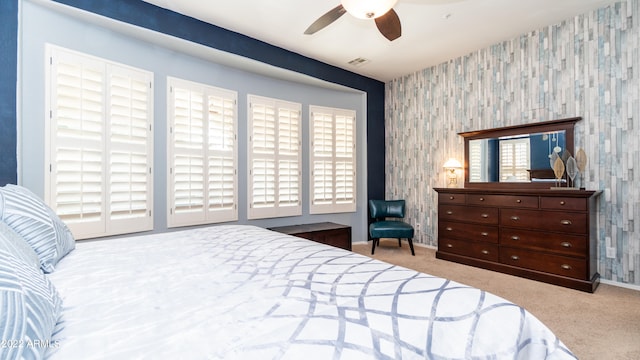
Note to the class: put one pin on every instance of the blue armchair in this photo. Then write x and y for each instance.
(380, 227)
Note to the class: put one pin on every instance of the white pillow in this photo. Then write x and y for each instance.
(37, 224)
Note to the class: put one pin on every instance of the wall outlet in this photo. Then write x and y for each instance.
(417, 227)
(611, 252)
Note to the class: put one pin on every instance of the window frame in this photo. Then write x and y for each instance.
(135, 213)
(208, 214)
(333, 205)
(285, 148)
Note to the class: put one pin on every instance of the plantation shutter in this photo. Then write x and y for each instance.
(288, 161)
(263, 149)
(130, 147)
(322, 163)
(274, 158)
(202, 153)
(100, 145)
(345, 171)
(333, 174)
(514, 160)
(188, 155)
(222, 159)
(477, 167)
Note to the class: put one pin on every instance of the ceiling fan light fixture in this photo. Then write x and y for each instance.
(368, 9)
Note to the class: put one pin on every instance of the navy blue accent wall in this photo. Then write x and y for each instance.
(8, 81)
(154, 18)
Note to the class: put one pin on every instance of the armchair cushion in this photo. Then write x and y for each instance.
(390, 229)
(381, 209)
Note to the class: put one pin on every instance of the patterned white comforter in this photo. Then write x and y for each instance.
(242, 292)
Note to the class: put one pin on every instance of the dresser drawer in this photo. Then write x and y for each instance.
(473, 214)
(474, 232)
(449, 198)
(560, 203)
(475, 249)
(570, 222)
(563, 244)
(529, 202)
(554, 264)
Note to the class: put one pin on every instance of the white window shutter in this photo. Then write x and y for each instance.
(515, 159)
(477, 156)
(99, 142)
(202, 154)
(187, 186)
(333, 170)
(77, 142)
(222, 162)
(289, 157)
(263, 154)
(130, 150)
(274, 158)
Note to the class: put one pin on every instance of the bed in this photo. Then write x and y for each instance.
(243, 292)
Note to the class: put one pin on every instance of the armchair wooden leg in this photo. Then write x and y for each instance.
(373, 246)
(411, 246)
(399, 242)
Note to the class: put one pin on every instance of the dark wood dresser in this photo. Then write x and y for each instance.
(326, 233)
(541, 234)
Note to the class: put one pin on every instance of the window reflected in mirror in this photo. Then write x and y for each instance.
(516, 158)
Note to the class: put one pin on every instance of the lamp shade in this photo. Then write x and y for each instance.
(368, 9)
(452, 164)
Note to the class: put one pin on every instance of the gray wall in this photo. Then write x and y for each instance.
(41, 24)
(588, 66)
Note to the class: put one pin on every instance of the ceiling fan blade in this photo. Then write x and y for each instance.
(326, 19)
(389, 25)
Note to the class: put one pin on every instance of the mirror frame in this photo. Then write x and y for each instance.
(568, 125)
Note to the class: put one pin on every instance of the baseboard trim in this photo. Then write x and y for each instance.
(619, 284)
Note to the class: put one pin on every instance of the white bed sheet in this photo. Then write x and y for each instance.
(242, 292)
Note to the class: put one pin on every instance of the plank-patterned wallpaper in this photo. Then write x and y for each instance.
(588, 66)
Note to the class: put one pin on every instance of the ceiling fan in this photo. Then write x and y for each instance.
(381, 11)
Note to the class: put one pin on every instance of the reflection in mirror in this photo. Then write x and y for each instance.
(516, 158)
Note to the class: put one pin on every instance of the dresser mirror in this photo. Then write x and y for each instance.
(518, 156)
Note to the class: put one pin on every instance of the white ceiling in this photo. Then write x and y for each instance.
(433, 31)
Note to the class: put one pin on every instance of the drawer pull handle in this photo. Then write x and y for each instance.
(481, 199)
(449, 245)
(451, 197)
(485, 252)
(485, 215)
(566, 244)
(449, 212)
(518, 201)
(515, 238)
(484, 233)
(515, 218)
(562, 202)
(565, 267)
(515, 257)
(565, 222)
(449, 228)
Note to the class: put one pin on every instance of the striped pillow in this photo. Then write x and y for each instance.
(29, 304)
(17, 246)
(30, 217)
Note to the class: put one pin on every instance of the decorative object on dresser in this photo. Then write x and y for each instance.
(326, 233)
(516, 214)
(380, 227)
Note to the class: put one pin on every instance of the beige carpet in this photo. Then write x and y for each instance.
(602, 325)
